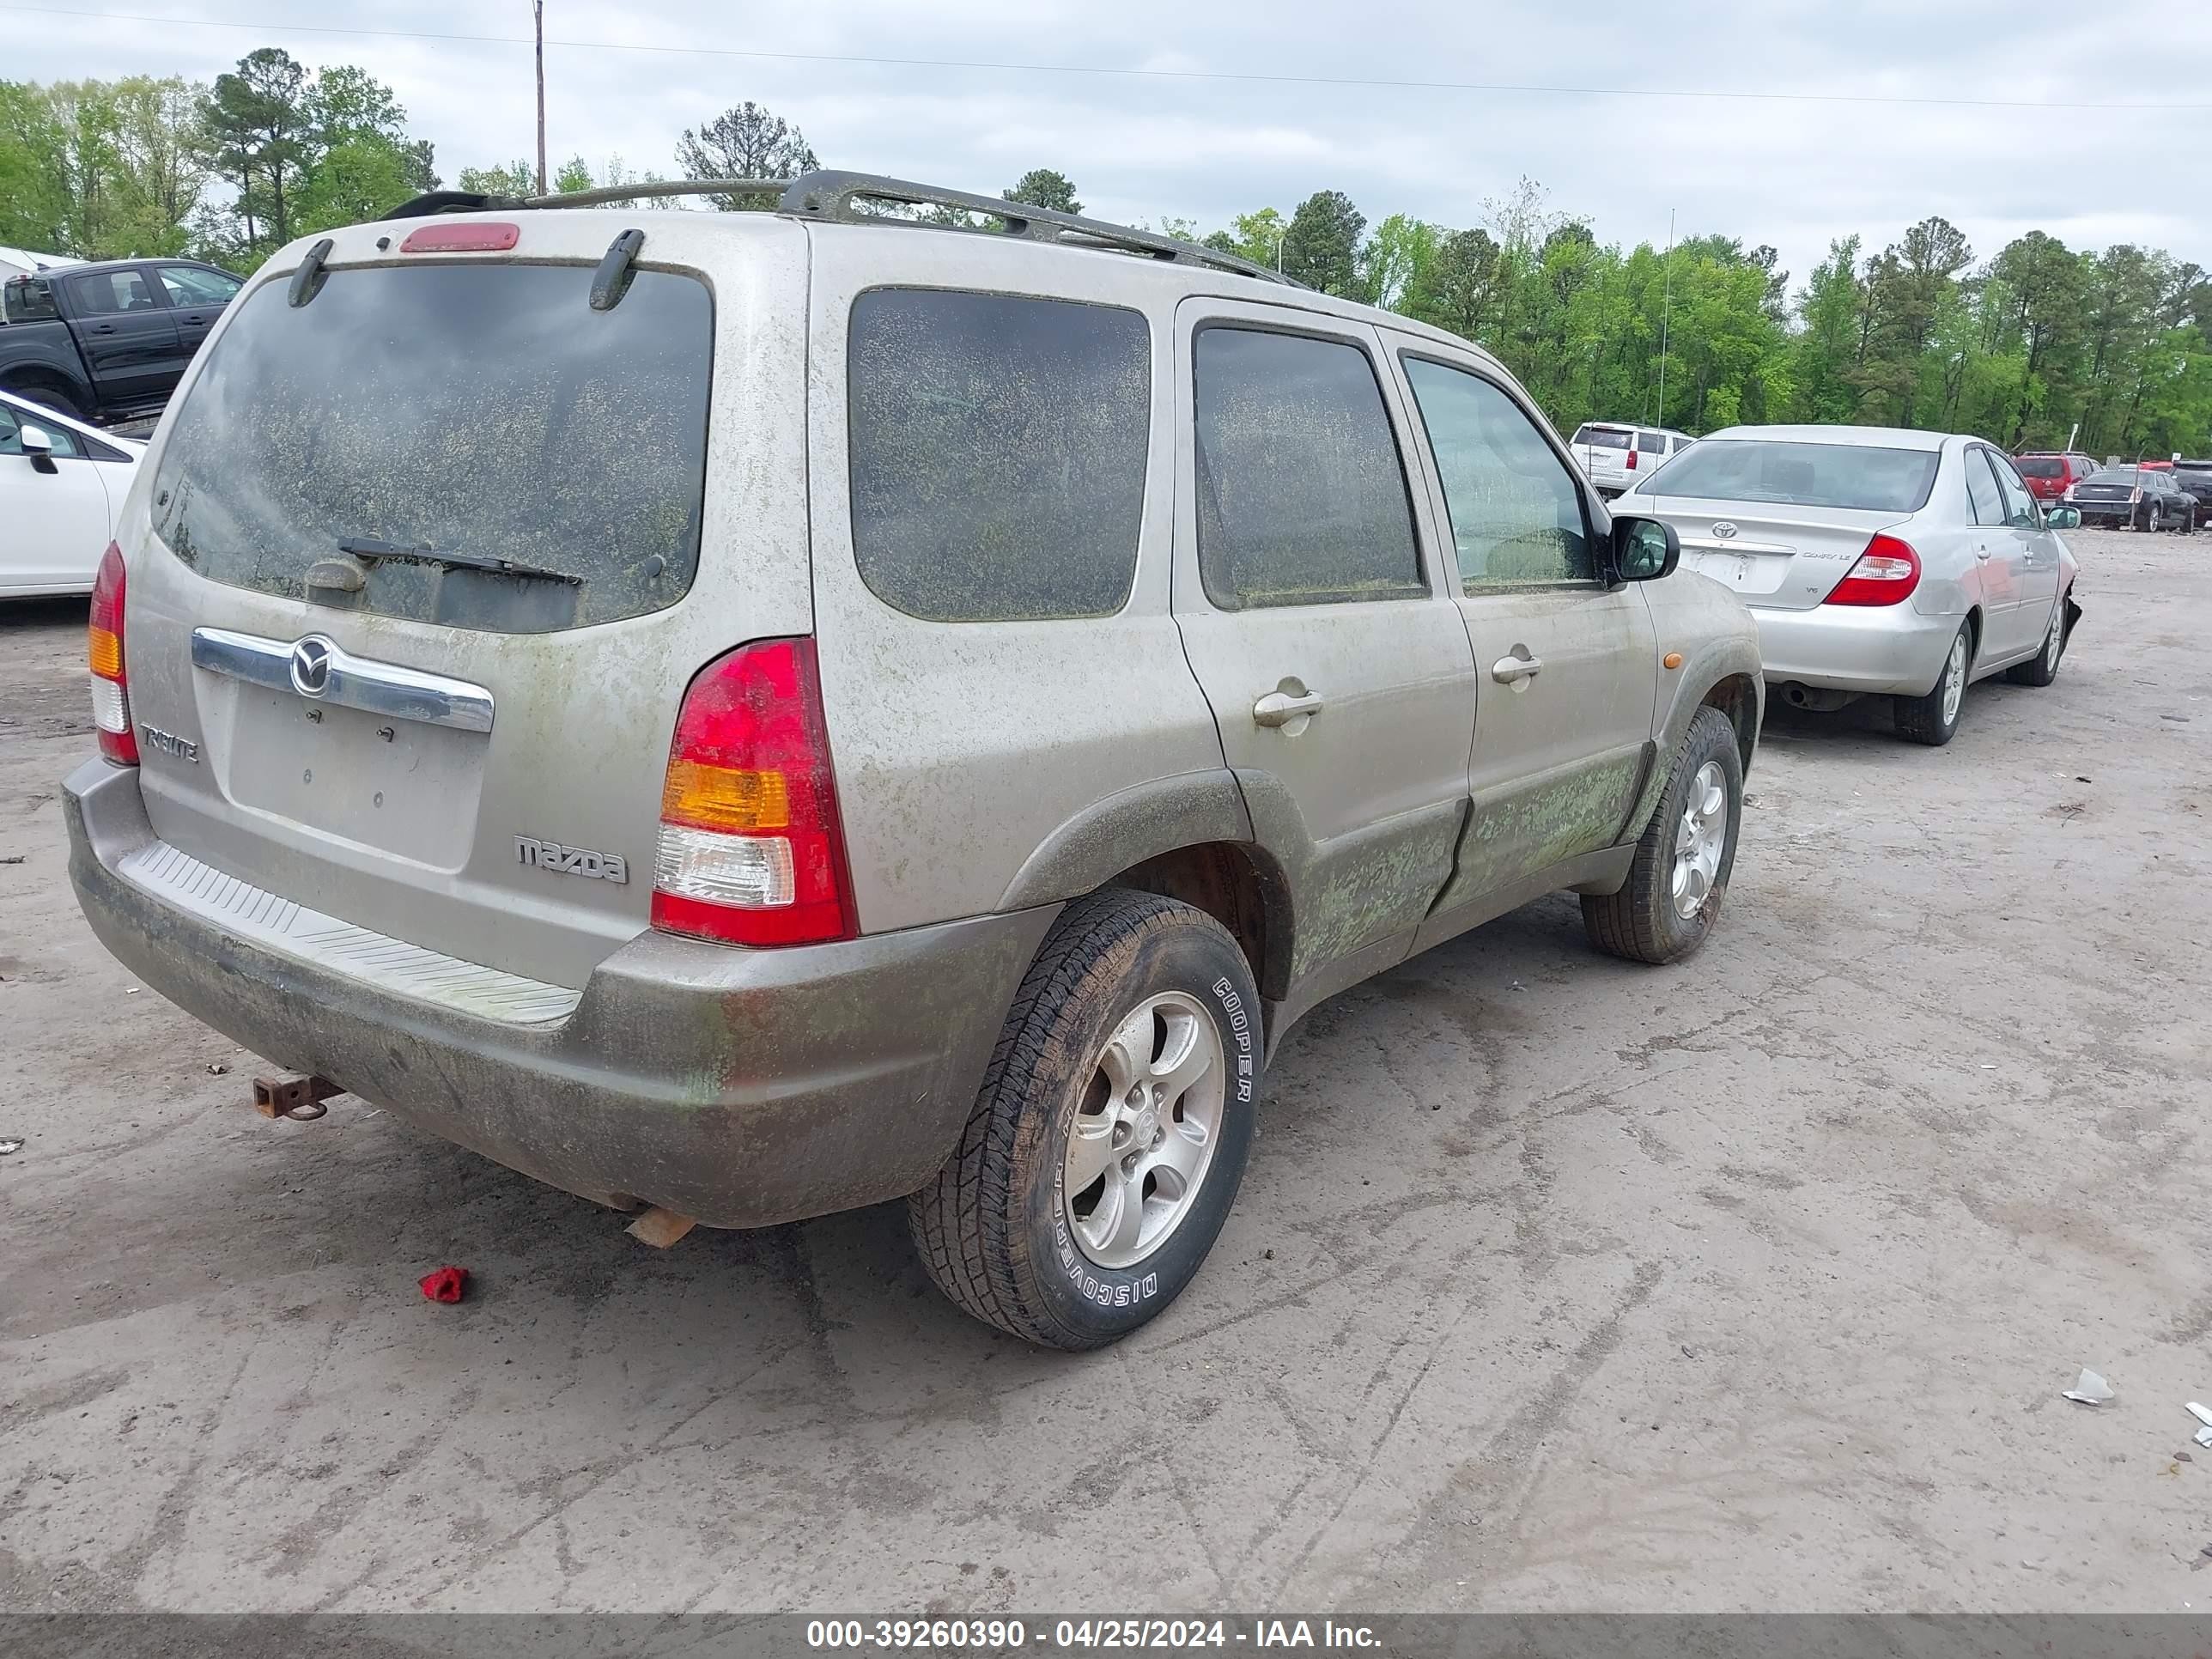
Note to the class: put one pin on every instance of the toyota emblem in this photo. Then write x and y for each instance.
(311, 666)
(1724, 529)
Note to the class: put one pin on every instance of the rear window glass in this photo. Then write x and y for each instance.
(1601, 437)
(481, 412)
(2039, 466)
(105, 293)
(998, 452)
(1858, 476)
(1301, 496)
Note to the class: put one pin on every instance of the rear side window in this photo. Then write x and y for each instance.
(481, 412)
(104, 293)
(1652, 443)
(1681, 444)
(998, 452)
(1301, 494)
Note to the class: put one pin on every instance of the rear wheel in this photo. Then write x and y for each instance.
(1934, 719)
(2153, 517)
(1107, 1143)
(1671, 898)
(2043, 667)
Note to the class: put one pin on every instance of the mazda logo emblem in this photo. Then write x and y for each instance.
(1724, 529)
(311, 666)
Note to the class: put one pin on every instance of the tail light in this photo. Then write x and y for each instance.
(750, 850)
(1632, 461)
(111, 690)
(1886, 574)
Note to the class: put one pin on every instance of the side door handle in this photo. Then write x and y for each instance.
(1981, 552)
(1507, 669)
(103, 328)
(1280, 707)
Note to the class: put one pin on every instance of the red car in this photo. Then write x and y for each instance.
(2050, 476)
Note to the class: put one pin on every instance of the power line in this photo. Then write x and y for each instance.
(1253, 76)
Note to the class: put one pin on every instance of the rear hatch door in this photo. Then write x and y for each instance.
(1603, 452)
(424, 565)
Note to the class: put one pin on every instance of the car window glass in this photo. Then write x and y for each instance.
(998, 452)
(1301, 497)
(2020, 505)
(188, 285)
(1516, 513)
(1982, 489)
(66, 444)
(104, 293)
(1652, 443)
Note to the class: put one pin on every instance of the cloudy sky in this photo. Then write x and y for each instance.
(1251, 103)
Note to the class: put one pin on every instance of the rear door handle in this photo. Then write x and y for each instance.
(103, 328)
(1981, 552)
(1506, 670)
(1281, 709)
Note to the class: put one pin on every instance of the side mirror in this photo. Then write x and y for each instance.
(39, 445)
(1644, 549)
(2061, 517)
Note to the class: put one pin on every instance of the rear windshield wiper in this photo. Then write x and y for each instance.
(364, 547)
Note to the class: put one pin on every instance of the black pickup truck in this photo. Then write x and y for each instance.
(107, 342)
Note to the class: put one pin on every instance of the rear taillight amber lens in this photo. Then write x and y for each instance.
(110, 691)
(750, 850)
(1886, 574)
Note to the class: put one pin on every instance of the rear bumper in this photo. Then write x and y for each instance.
(741, 1087)
(2112, 512)
(1889, 649)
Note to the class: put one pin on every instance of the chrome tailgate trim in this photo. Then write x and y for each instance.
(315, 668)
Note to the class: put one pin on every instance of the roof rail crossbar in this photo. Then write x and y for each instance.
(836, 196)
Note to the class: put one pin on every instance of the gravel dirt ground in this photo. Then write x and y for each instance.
(1555, 1282)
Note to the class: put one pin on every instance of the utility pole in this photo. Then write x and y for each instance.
(1666, 316)
(537, 13)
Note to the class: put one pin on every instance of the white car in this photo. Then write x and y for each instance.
(1616, 456)
(61, 484)
(1876, 561)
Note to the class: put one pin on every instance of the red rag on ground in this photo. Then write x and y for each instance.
(445, 1285)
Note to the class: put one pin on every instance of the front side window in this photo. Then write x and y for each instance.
(998, 452)
(1301, 497)
(104, 293)
(1516, 512)
(188, 285)
(2020, 505)
(12, 423)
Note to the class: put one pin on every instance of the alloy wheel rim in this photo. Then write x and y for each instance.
(1954, 679)
(2056, 642)
(1143, 1136)
(1699, 839)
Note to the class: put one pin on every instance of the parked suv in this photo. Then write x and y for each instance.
(795, 709)
(1617, 457)
(2049, 476)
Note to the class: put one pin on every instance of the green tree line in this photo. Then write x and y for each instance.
(2029, 345)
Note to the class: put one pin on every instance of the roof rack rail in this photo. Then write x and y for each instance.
(835, 197)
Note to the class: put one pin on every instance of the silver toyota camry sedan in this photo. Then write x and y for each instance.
(1877, 561)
